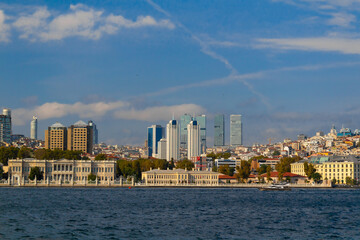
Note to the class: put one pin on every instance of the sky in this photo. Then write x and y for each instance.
(287, 66)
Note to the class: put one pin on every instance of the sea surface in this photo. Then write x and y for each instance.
(191, 213)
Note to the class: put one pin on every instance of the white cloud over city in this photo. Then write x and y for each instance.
(117, 109)
(41, 24)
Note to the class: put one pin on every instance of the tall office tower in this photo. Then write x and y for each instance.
(201, 119)
(184, 122)
(172, 141)
(33, 128)
(219, 130)
(155, 133)
(56, 137)
(80, 137)
(194, 143)
(162, 149)
(5, 126)
(95, 131)
(235, 130)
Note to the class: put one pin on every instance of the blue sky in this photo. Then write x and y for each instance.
(288, 66)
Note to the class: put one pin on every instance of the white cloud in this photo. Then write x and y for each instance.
(158, 113)
(30, 25)
(80, 21)
(324, 44)
(120, 110)
(342, 19)
(4, 28)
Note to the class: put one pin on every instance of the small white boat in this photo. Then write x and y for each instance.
(276, 187)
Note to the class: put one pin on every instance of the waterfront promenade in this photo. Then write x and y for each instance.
(123, 183)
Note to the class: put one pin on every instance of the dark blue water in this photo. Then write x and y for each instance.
(40, 213)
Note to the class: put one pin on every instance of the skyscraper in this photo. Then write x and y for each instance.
(194, 143)
(201, 120)
(5, 126)
(155, 133)
(95, 131)
(161, 149)
(33, 128)
(56, 137)
(172, 141)
(219, 130)
(80, 137)
(184, 122)
(235, 130)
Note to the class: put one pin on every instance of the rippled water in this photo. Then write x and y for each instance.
(42, 213)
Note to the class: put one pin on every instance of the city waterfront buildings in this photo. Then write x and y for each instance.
(56, 137)
(155, 133)
(5, 126)
(172, 140)
(159, 177)
(332, 167)
(219, 130)
(235, 130)
(62, 170)
(33, 128)
(80, 137)
(194, 143)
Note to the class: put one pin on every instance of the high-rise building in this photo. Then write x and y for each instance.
(184, 122)
(194, 143)
(80, 137)
(201, 120)
(162, 149)
(235, 130)
(33, 128)
(172, 141)
(155, 133)
(5, 126)
(56, 137)
(219, 130)
(95, 131)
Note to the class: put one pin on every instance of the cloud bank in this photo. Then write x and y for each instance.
(118, 109)
(323, 44)
(80, 21)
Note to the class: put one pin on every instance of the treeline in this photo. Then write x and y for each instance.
(7, 153)
(134, 168)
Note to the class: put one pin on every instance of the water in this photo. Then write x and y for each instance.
(55, 213)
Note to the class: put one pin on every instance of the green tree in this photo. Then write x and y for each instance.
(285, 165)
(185, 164)
(262, 169)
(333, 181)
(268, 173)
(276, 153)
(91, 177)
(349, 181)
(101, 156)
(24, 152)
(309, 169)
(243, 171)
(7, 153)
(211, 155)
(316, 176)
(35, 171)
(227, 170)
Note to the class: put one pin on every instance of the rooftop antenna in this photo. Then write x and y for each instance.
(173, 118)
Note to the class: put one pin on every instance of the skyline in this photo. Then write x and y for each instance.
(285, 66)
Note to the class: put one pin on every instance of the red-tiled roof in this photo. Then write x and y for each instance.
(226, 177)
(276, 174)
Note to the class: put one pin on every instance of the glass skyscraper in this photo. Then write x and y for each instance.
(184, 122)
(5, 126)
(33, 128)
(201, 120)
(155, 133)
(219, 130)
(235, 130)
(95, 131)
